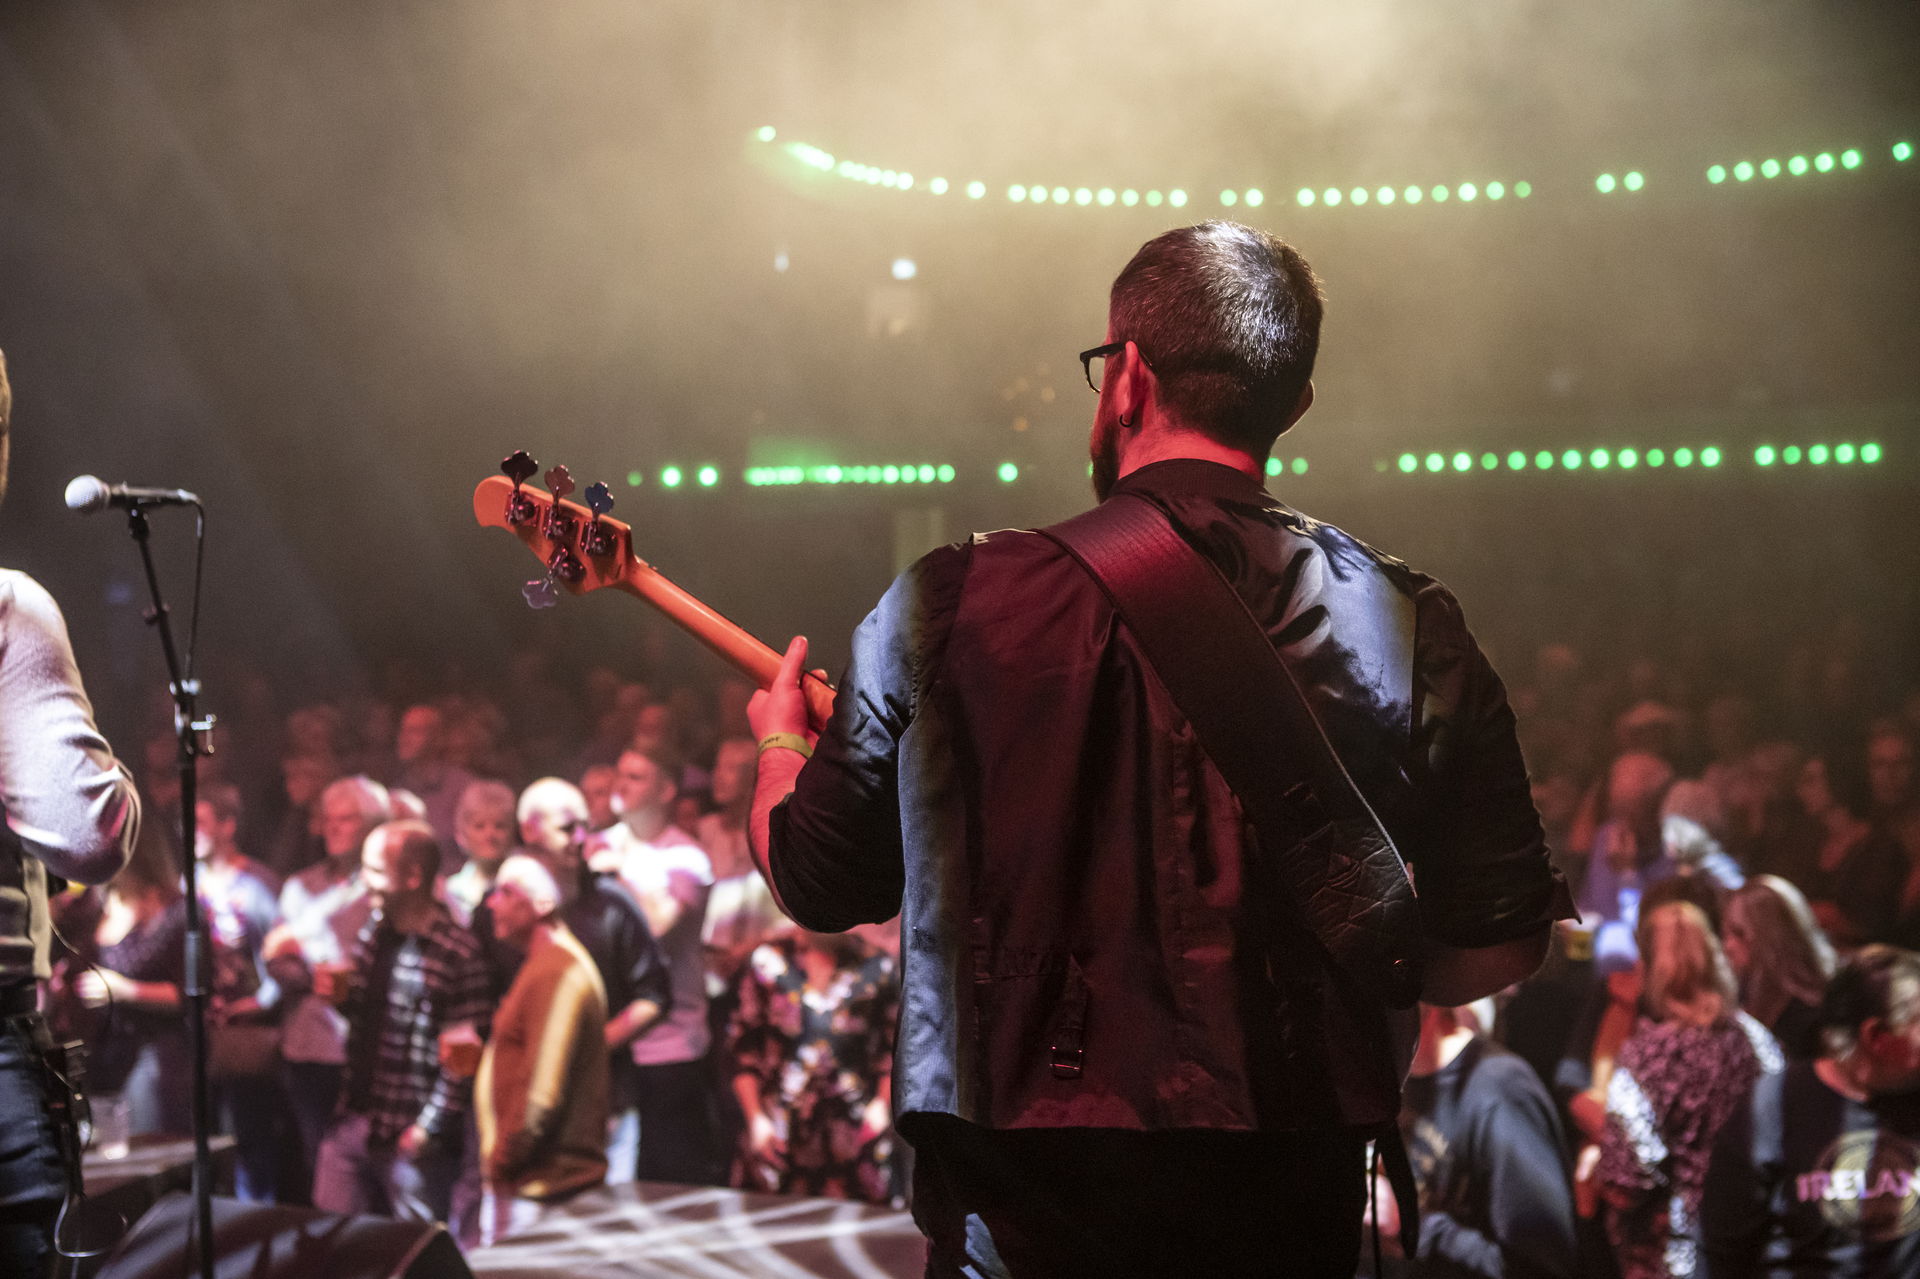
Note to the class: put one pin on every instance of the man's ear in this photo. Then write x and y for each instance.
(1134, 388)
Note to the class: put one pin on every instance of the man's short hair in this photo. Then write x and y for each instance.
(484, 795)
(533, 878)
(661, 756)
(1228, 319)
(223, 798)
(368, 795)
(411, 845)
(552, 792)
(1880, 981)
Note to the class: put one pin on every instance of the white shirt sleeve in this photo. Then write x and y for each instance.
(67, 798)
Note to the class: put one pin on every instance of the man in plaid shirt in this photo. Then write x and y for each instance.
(394, 1144)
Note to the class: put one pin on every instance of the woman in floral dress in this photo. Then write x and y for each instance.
(811, 1047)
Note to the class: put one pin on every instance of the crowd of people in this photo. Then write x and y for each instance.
(473, 955)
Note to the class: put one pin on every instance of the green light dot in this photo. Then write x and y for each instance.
(1105, 196)
(1083, 196)
(1903, 151)
(1468, 191)
(1764, 455)
(906, 182)
(909, 474)
(1709, 456)
(1304, 198)
(1299, 466)
(1605, 184)
(1523, 189)
(1843, 453)
(1769, 168)
(708, 476)
(1435, 462)
(938, 186)
(1009, 472)
(1016, 193)
(670, 477)
(835, 474)
(1440, 194)
(1850, 158)
(1489, 462)
(1571, 459)
(1717, 174)
(1496, 190)
(1275, 466)
(1634, 180)
(1516, 461)
(1628, 459)
(1229, 198)
(633, 479)
(1061, 195)
(1824, 162)
(944, 474)
(927, 474)
(1331, 196)
(1384, 195)
(1818, 454)
(1683, 457)
(1153, 199)
(1412, 195)
(1743, 171)
(1358, 195)
(1791, 455)
(1869, 453)
(1178, 199)
(1656, 457)
(1408, 463)
(1255, 198)
(1543, 460)
(1599, 459)
(1462, 461)
(1798, 166)
(1129, 197)
(975, 190)
(766, 133)
(890, 474)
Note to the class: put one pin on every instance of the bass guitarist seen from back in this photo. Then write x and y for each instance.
(1136, 1037)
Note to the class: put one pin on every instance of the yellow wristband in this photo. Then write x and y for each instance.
(787, 742)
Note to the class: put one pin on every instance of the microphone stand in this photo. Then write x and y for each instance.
(195, 736)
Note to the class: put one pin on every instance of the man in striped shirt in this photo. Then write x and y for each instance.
(394, 1145)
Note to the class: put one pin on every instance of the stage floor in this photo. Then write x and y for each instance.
(654, 1231)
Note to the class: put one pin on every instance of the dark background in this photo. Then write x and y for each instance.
(325, 263)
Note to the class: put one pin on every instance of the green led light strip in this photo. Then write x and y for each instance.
(1598, 459)
(824, 161)
(1463, 462)
(910, 473)
(1842, 454)
(1609, 183)
(1800, 166)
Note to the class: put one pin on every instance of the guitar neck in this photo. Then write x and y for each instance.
(727, 639)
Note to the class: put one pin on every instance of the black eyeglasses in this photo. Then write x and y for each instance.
(1101, 353)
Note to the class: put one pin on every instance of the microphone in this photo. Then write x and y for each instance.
(87, 494)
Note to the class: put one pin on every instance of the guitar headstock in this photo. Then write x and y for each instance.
(580, 548)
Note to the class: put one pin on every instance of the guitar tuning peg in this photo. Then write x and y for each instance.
(518, 466)
(598, 538)
(539, 593)
(559, 481)
(565, 565)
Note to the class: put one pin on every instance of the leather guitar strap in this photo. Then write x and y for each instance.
(1253, 719)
